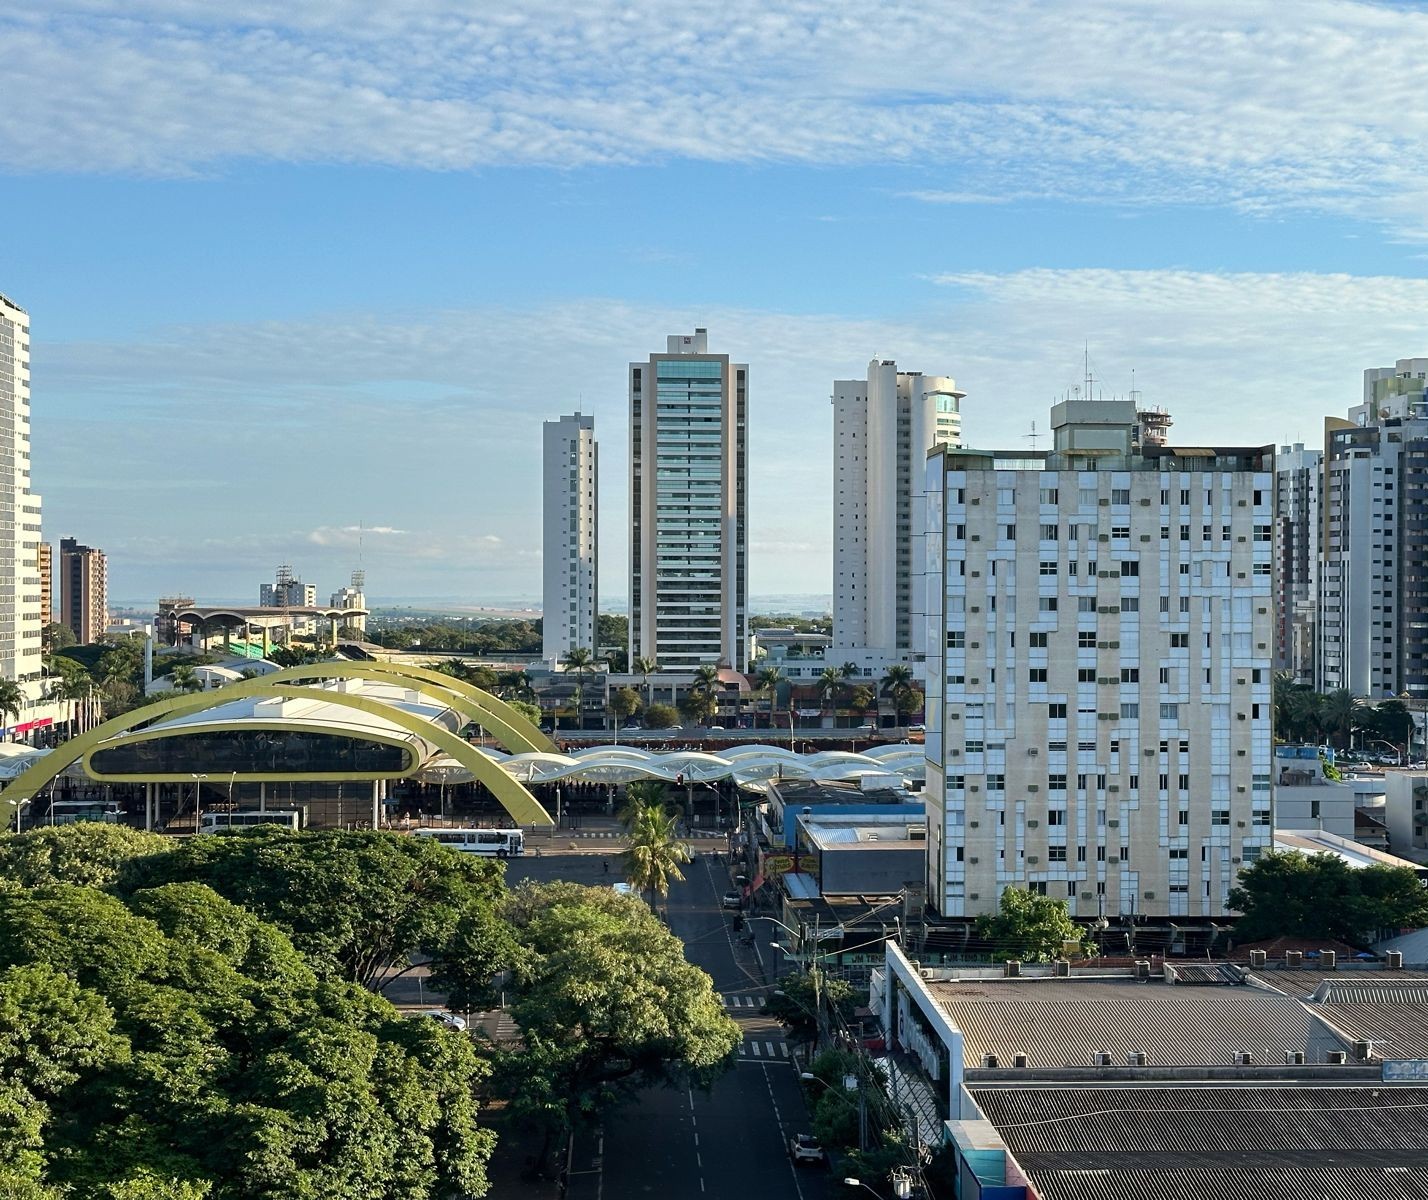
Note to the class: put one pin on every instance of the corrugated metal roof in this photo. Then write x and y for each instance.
(1067, 1023)
(1276, 1183)
(1294, 982)
(1372, 991)
(1397, 1030)
(1229, 1120)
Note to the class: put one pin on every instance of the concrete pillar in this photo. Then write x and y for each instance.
(376, 799)
(262, 797)
(149, 806)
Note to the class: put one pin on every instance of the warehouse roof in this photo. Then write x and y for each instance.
(1286, 1141)
(1066, 1022)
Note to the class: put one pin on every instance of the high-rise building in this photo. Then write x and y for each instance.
(287, 591)
(47, 583)
(20, 587)
(570, 543)
(353, 596)
(883, 428)
(1373, 588)
(1298, 480)
(689, 506)
(83, 590)
(1098, 724)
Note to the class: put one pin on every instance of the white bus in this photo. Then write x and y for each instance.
(492, 843)
(67, 812)
(246, 818)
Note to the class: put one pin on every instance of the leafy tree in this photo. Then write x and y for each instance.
(1027, 926)
(57, 636)
(655, 854)
(607, 1004)
(625, 703)
(698, 706)
(661, 716)
(531, 712)
(1289, 894)
(85, 853)
(861, 697)
(190, 1051)
(358, 903)
(795, 1004)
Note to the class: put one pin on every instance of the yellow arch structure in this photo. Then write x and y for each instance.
(516, 800)
(516, 733)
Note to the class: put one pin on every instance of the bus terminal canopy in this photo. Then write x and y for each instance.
(751, 767)
(328, 721)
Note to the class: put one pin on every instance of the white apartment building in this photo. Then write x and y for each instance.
(689, 506)
(570, 556)
(1298, 484)
(20, 586)
(1098, 723)
(883, 427)
(1373, 590)
(353, 596)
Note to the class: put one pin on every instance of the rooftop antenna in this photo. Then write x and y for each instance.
(1032, 436)
(1135, 391)
(1086, 368)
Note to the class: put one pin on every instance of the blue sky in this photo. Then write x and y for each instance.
(294, 270)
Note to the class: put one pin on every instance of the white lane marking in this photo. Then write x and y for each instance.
(768, 1049)
(783, 1049)
(754, 1046)
(783, 1135)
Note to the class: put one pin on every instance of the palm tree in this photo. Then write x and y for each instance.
(185, 679)
(640, 795)
(580, 661)
(829, 682)
(850, 670)
(647, 666)
(1306, 715)
(768, 679)
(653, 860)
(12, 699)
(1341, 711)
(704, 694)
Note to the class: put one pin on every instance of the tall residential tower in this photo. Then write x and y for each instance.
(20, 588)
(689, 507)
(883, 428)
(1373, 588)
(1298, 483)
(83, 591)
(570, 557)
(1098, 723)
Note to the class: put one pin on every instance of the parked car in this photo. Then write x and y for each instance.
(804, 1148)
(917, 729)
(732, 900)
(442, 1017)
(868, 728)
(632, 727)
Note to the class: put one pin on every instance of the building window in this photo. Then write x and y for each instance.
(1130, 604)
(1056, 712)
(1038, 640)
(1036, 675)
(1047, 568)
(1046, 604)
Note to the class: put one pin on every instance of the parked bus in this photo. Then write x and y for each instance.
(67, 812)
(491, 843)
(246, 818)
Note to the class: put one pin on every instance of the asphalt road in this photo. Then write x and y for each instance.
(726, 1144)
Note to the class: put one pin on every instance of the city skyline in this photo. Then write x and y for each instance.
(363, 258)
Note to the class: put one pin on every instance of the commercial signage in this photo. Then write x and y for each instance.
(1398, 1070)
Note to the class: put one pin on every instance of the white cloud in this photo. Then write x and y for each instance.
(423, 430)
(1238, 103)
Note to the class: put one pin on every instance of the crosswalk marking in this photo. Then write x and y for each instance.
(738, 1001)
(763, 1049)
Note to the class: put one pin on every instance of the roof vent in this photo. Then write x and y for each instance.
(1243, 1058)
(1063, 968)
(1142, 969)
(1135, 1059)
(1012, 968)
(1258, 958)
(990, 1061)
(1363, 1050)
(1395, 960)
(1329, 960)
(1294, 958)
(1102, 1058)
(1336, 1058)
(1294, 1058)
(1019, 1061)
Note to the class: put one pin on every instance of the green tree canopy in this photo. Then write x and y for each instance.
(190, 1051)
(356, 903)
(1028, 926)
(606, 1002)
(85, 853)
(57, 636)
(794, 1005)
(625, 703)
(661, 716)
(1290, 894)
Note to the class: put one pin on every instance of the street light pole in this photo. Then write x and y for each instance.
(197, 798)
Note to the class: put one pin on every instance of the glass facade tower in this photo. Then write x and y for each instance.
(688, 558)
